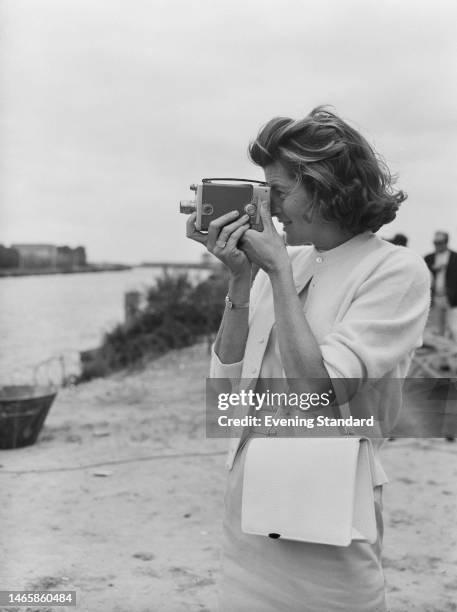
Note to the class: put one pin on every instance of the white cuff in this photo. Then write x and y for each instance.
(224, 370)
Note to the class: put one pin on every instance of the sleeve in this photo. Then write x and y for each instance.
(218, 369)
(384, 322)
(232, 371)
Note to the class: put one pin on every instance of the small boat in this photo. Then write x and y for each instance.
(23, 410)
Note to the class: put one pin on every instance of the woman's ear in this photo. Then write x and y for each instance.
(308, 216)
(309, 212)
(309, 201)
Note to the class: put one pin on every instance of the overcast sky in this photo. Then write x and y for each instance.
(110, 109)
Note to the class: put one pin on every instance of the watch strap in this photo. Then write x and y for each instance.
(232, 306)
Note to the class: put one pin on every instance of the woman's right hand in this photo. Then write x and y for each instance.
(222, 239)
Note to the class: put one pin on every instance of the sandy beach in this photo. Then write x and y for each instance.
(121, 500)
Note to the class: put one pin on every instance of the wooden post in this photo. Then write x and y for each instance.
(131, 306)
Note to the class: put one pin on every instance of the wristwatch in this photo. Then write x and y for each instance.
(232, 306)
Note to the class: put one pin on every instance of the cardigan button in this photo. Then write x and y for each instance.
(319, 259)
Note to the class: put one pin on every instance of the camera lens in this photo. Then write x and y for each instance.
(187, 207)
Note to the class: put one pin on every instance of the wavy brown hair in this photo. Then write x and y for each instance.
(348, 181)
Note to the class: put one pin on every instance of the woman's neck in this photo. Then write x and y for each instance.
(329, 237)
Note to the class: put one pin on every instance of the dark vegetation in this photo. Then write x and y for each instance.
(177, 313)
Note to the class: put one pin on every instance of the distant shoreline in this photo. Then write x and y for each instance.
(164, 265)
(75, 270)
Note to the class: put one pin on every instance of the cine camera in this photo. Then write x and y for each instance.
(215, 197)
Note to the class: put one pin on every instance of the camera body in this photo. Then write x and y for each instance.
(215, 197)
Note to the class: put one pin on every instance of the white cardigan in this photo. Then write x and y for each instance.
(367, 306)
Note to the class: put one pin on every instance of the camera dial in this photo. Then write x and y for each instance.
(250, 209)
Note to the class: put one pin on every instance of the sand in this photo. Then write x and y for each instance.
(121, 498)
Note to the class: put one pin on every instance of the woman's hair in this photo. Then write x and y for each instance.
(348, 182)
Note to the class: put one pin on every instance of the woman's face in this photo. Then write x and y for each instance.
(290, 203)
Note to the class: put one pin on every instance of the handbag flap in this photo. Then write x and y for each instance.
(305, 489)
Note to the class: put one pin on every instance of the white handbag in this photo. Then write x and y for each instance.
(316, 490)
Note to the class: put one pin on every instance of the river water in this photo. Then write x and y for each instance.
(43, 317)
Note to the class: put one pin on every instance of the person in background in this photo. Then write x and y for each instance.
(443, 267)
(399, 240)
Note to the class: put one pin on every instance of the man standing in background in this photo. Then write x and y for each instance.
(443, 266)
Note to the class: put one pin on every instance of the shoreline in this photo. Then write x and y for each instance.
(13, 272)
(165, 266)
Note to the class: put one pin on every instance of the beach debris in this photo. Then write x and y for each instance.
(144, 556)
(102, 474)
(72, 438)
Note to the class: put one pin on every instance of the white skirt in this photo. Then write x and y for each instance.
(261, 574)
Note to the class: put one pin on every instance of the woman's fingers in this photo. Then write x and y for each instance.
(235, 236)
(193, 233)
(219, 233)
(244, 242)
(215, 226)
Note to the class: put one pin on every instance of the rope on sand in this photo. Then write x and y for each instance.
(114, 462)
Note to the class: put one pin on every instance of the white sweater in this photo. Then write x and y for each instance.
(367, 306)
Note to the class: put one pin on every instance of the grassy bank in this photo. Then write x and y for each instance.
(177, 313)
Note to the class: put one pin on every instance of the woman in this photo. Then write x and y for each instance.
(347, 306)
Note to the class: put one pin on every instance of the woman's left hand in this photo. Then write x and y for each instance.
(266, 249)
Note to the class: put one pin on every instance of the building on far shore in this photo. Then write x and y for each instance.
(33, 256)
(9, 258)
(71, 258)
(36, 255)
